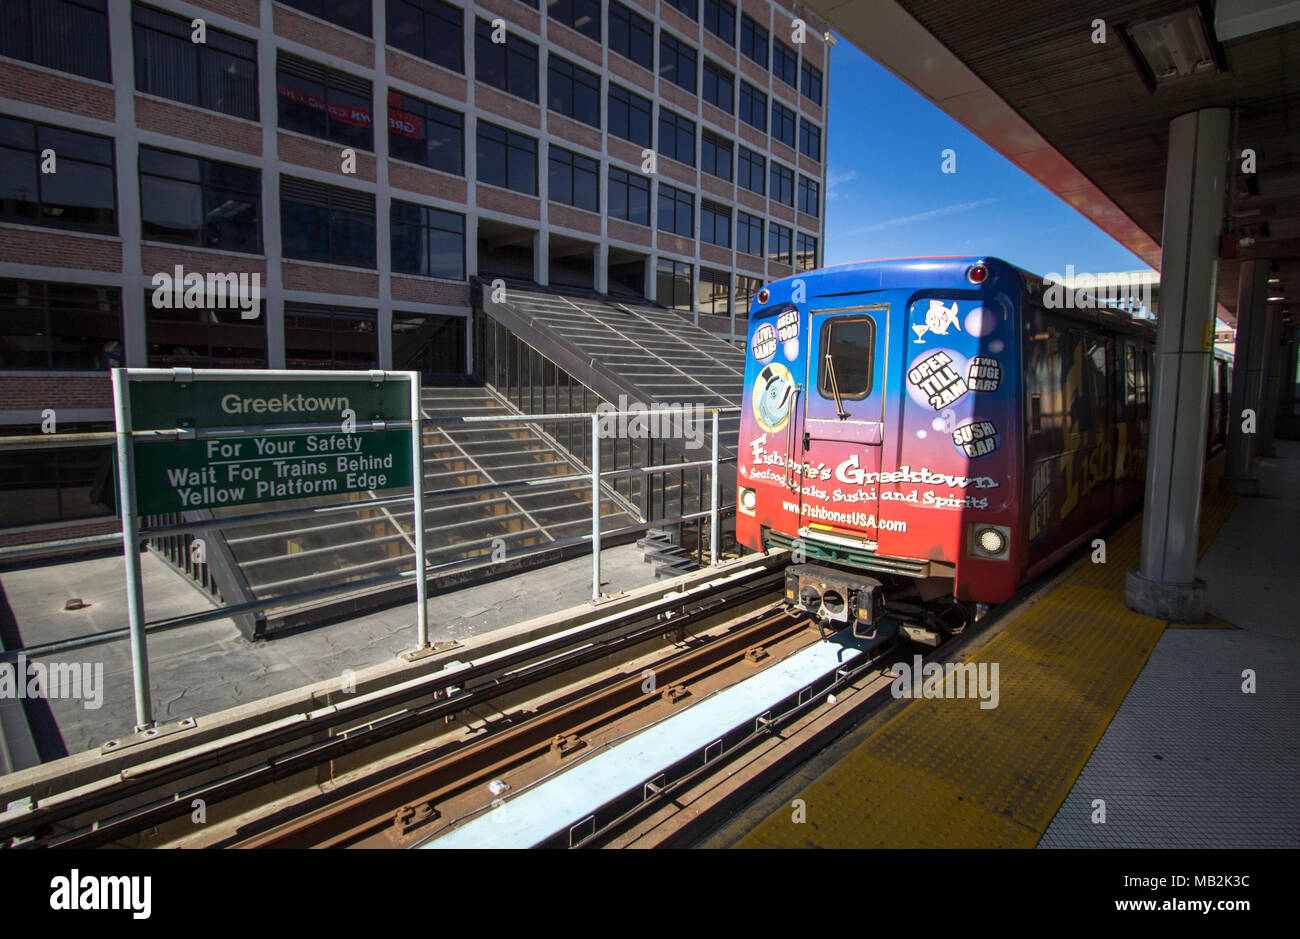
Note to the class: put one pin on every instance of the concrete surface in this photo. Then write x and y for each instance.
(204, 668)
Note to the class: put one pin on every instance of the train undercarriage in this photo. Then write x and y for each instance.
(923, 609)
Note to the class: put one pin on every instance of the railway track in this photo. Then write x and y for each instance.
(413, 805)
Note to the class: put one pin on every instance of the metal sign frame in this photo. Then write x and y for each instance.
(125, 434)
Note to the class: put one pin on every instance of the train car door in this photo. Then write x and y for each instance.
(843, 422)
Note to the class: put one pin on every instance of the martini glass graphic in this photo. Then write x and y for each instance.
(919, 329)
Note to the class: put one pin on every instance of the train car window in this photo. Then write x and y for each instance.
(1143, 377)
(850, 341)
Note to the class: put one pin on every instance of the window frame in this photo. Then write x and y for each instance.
(453, 23)
(680, 52)
(678, 124)
(515, 51)
(823, 344)
(425, 224)
(509, 144)
(632, 106)
(679, 199)
(635, 25)
(569, 160)
(632, 179)
(26, 49)
(254, 194)
(715, 78)
(749, 33)
(54, 220)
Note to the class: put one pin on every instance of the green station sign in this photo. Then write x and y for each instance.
(188, 475)
(165, 405)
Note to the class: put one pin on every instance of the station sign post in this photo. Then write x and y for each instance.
(194, 439)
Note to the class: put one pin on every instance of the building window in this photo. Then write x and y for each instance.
(689, 7)
(430, 29)
(810, 140)
(753, 106)
(746, 288)
(783, 124)
(806, 255)
(714, 292)
(673, 285)
(629, 196)
(215, 337)
(785, 63)
(778, 243)
(810, 81)
(429, 344)
(326, 223)
(631, 35)
(45, 485)
(510, 65)
(328, 337)
(809, 196)
(676, 137)
(715, 155)
(629, 115)
(720, 19)
(220, 74)
(200, 202)
(507, 159)
(427, 241)
(753, 40)
(350, 14)
(676, 211)
(749, 234)
(70, 327)
(752, 171)
(424, 133)
(715, 223)
(782, 184)
(68, 35)
(572, 91)
(676, 62)
(582, 15)
(323, 102)
(719, 87)
(81, 194)
(574, 179)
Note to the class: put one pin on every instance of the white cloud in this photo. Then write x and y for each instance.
(920, 216)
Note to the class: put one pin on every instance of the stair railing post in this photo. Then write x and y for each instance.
(595, 507)
(713, 484)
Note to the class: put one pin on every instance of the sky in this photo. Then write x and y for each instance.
(887, 197)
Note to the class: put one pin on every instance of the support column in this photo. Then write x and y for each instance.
(600, 267)
(1247, 378)
(542, 257)
(1165, 585)
(1271, 384)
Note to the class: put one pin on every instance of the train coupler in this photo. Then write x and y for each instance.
(834, 596)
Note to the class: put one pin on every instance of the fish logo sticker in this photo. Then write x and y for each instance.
(774, 395)
(937, 320)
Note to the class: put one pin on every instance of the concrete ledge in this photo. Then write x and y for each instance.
(1179, 603)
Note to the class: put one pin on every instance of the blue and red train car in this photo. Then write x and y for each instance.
(929, 435)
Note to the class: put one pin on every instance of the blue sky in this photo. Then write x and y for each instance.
(887, 198)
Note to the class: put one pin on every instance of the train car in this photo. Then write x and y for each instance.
(927, 435)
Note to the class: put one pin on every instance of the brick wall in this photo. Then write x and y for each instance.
(51, 390)
(59, 249)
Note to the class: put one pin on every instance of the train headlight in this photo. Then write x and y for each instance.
(748, 500)
(991, 542)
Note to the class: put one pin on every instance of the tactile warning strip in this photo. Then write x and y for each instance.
(945, 772)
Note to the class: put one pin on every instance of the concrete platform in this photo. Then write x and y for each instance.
(208, 667)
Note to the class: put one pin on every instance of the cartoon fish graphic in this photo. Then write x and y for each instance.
(937, 320)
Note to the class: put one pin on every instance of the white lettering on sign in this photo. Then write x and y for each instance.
(284, 404)
(764, 342)
(787, 325)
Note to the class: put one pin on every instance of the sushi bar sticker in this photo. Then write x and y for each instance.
(976, 439)
(936, 378)
(764, 343)
(985, 374)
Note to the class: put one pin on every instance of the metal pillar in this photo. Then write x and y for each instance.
(595, 507)
(1270, 391)
(1165, 585)
(131, 551)
(1247, 378)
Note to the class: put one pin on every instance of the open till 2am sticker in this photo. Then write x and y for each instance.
(938, 380)
(976, 439)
